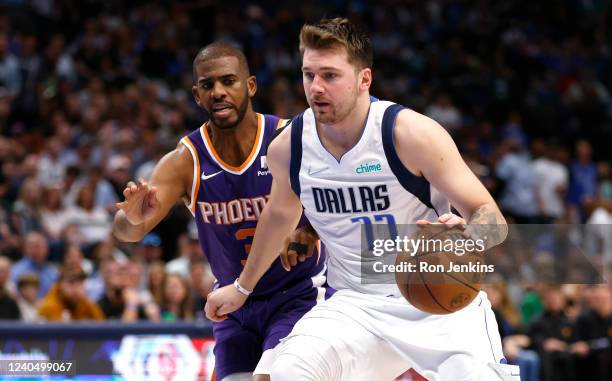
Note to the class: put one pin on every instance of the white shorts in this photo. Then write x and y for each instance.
(354, 336)
(266, 361)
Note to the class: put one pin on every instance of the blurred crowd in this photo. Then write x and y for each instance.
(559, 333)
(93, 93)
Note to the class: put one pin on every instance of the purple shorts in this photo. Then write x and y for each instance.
(258, 326)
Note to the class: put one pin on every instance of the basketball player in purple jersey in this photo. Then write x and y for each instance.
(220, 172)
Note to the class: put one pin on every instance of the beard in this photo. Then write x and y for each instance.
(228, 125)
(336, 113)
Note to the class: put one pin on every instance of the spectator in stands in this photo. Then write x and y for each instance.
(551, 335)
(51, 169)
(605, 182)
(70, 184)
(593, 336)
(598, 237)
(515, 169)
(27, 208)
(74, 258)
(107, 250)
(87, 223)
(8, 306)
(104, 254)
(103, 193)
(146, 252)
(474, 161)
(10, 77)
(119, 172)
(574, 303)
(27, 297)
(583, 179)
(136, 282)
(444, 112)
(551, 183)
(10, 242)
(176, 299)
(201, 280)
(35, 253)
(157, 271)
(52, 213)
(189, 250)
(513, 130)
(122, 300)
(113, 302)
(67, 301)
(29, 66)
(95, 284)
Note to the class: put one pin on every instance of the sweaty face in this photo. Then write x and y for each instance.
(222, 89)
(330, 84)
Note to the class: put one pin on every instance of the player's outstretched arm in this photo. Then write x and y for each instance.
(278, 219)
(426, 149)
(147, 203)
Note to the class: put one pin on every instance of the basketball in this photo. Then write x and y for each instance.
(441, 280)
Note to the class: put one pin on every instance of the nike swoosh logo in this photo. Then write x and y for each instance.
(312, 171)
(204, 177)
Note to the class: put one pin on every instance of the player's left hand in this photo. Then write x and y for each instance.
(297, 247)
(222, 302)
(449, 220)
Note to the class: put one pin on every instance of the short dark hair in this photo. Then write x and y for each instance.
(71, 274)
(219, 50)
(338, 32)
(28, 279)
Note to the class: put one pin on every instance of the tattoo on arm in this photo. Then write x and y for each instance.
(485, 223)
(484, 215)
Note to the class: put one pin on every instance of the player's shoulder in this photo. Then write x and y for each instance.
(279, 147)
(415, 129)
(282, 135)
(273, 122)
(406, 119)
(181, 159)
(281, 140)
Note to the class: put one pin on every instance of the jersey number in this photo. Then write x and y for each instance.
(244, 234)
(369, 230)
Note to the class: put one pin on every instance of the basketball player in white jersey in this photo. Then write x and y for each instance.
(350, 160)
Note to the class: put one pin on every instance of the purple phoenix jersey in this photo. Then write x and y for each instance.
(227, 202)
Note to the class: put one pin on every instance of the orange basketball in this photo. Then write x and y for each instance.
(441, 281)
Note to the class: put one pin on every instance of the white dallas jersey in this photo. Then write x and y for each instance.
(369, 185)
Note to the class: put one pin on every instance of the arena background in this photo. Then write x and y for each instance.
(93, 93)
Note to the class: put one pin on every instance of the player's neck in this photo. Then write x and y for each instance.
(234, 145)
(339, 138)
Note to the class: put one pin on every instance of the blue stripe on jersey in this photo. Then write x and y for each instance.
(416, 185)
(297, 126)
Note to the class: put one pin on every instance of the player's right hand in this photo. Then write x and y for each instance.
(222, 302)
(297, 247)
(140, 202)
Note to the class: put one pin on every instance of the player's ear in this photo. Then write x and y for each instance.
(196, 96)
(365, 79)
(252, 86)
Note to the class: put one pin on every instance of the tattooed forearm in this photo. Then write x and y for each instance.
(486, 214)
(488, 222)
